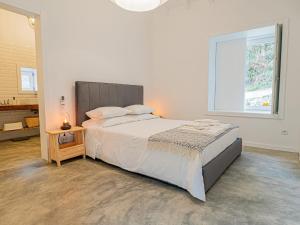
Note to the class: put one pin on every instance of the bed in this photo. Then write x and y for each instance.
(125, 145)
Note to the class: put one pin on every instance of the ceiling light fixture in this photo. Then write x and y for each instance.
(139, 5)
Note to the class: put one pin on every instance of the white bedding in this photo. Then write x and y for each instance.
(125, 145)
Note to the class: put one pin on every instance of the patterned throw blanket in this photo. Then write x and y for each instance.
(194, 136)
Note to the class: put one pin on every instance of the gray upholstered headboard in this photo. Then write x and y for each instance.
(91, 95)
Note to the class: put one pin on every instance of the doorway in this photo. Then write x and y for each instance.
(20, 89)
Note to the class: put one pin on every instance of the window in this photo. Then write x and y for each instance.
(244, 73)
(27, 80)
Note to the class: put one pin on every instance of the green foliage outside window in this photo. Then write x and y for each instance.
(260, 60)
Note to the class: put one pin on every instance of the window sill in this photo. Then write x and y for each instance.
(246, 115)
(28, 92)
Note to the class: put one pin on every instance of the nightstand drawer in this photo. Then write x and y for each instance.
(71, 152)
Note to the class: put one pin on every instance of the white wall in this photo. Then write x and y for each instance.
(181, 30)
(15, 29)
(94, 41)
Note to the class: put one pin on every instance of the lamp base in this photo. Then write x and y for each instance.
(66, 126)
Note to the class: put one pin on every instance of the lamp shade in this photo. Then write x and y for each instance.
(139, 5)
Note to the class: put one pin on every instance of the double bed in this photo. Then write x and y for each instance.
(127, 145)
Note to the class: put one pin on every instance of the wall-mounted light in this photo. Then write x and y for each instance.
(31, 21)
(139, 5)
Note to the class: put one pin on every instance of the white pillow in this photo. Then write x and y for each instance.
(107, 112)
(109, 122)
(126, 119)
(139, 109)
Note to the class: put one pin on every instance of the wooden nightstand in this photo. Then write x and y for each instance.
(59, 152)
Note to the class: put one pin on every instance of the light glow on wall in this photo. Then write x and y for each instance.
(157, 106)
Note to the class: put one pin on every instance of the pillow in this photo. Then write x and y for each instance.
(126, 119)
(107, 112)
(139, 109)
(109, 122)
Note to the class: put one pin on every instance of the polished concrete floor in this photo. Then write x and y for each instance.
(260, 188)
(18, 154)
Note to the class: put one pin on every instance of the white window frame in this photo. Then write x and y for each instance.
(212, 74)
(20, 90)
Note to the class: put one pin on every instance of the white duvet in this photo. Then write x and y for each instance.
(124, 142)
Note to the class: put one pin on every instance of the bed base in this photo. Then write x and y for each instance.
(212, 171)
(216, 167)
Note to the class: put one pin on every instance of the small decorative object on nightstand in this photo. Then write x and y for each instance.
(66, 125)
(59, 152)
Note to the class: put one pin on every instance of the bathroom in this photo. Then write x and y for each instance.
(19, 108)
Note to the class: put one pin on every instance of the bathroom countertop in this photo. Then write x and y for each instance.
(18, 107)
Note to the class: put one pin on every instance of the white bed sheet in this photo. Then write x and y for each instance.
(126, 146)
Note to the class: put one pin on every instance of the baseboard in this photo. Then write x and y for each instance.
(271, 147)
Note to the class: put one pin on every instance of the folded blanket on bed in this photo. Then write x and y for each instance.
(195, 136)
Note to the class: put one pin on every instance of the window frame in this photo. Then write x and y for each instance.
(212, 73)
(20, 90)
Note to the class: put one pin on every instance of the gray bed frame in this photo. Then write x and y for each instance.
(90, 95)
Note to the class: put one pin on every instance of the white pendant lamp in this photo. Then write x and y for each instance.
(139, 5)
